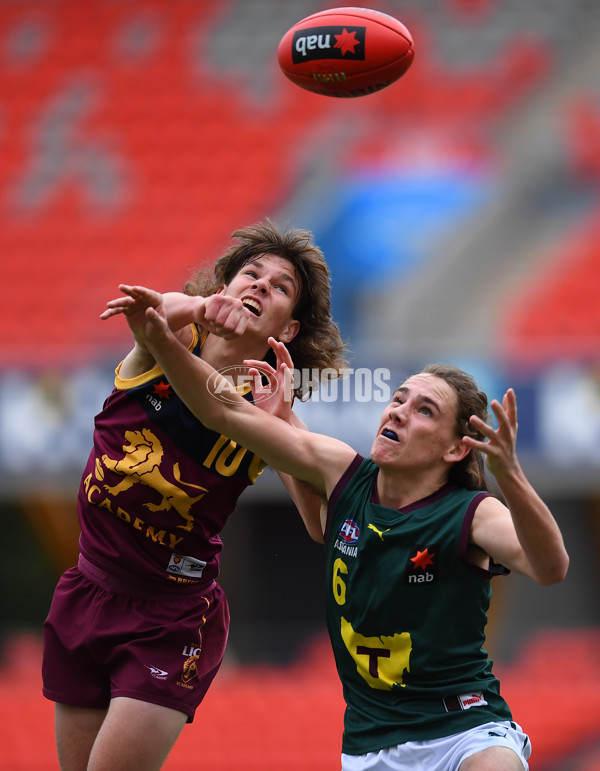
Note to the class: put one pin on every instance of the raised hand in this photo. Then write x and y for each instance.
(219, 314)
(277, 396)
(500, 447)
(128, 304)
(222, 315)
(133, 305)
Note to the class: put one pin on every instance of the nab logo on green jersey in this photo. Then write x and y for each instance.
(421, 567)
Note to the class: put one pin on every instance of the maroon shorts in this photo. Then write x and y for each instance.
(160, 648)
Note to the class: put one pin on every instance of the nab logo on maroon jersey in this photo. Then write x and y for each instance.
(349, 531)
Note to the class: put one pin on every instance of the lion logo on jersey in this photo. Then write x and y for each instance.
(141, 465)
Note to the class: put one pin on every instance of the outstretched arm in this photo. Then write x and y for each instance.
(276, 397)
(311, 505)
(220, 314)
(314, 458)
(525, 536)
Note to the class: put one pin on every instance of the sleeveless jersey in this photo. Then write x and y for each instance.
(158, 488)
(406, 615)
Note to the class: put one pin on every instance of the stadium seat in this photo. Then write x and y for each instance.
(164, 145)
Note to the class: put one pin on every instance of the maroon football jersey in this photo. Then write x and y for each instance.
(158, 487)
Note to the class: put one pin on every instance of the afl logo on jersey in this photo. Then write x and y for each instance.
(349, 531)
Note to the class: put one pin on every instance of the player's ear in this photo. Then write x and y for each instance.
(289, 332)
(457, 452)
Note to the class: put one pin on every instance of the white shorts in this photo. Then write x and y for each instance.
(445, 754)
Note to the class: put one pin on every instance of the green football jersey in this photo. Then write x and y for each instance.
(406, 614)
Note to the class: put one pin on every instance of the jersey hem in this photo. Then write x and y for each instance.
(453, 723)
(118, 583)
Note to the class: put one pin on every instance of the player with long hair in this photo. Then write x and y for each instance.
(137, 630)
(412, 541)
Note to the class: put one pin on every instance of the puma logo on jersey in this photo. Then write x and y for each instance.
(379, 532)
(466, 701)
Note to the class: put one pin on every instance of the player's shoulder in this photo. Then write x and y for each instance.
(331, 455)
(331, 447)
(489, 511)
(487, 504)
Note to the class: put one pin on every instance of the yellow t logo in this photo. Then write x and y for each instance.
(381, 661)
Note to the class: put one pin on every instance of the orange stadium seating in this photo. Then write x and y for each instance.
(557, 309)
(266, 718)
(129, 152)
(583, 136)
(127, 155)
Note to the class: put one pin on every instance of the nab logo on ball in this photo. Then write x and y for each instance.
(328, 43)
(346, 52)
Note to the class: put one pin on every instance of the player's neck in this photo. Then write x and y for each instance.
(398, 490)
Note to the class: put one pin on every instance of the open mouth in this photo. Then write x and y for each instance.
(252, 305)
(390, 435)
